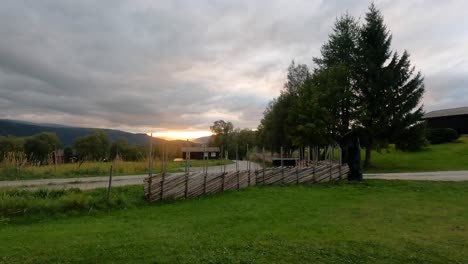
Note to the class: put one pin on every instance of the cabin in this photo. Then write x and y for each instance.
(200, 153)
(455, 118)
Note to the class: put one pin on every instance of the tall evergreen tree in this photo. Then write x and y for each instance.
(389, 92)
(336, 73)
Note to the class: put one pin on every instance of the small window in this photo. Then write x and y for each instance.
(213, 154)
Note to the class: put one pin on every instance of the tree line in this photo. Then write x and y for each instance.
(232, 140)
(358, 84)
(40, 149)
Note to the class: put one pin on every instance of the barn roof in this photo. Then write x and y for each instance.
(447, 112)
(200, 149)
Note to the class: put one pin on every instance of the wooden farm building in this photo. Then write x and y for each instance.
(455, 118)
(200, 153)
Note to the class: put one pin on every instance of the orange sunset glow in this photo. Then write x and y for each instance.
(173, 135)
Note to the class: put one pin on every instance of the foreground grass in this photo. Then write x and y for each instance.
(26, 206)
(442, 157)
(372, 222)
(93, 169)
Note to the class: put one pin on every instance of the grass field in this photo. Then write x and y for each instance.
(442, 157)
(92, 169)
(369, 222)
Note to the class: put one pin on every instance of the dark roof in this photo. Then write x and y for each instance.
(448, 112)
(200, 149)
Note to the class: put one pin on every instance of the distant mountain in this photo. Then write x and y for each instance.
(67, 134)
(202, 140)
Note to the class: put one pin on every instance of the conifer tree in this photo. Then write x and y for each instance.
(389, 92)
(336, 74)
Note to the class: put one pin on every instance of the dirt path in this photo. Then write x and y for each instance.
(421, 176)
(86, 183)
(102, 182)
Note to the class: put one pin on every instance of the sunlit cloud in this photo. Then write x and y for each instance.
(177, 66)
(182, 135)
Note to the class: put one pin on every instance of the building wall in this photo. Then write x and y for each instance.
(199, 155)
(459, 123)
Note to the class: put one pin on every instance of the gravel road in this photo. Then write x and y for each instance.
(86, 183)
(422, 176)
(102, 182)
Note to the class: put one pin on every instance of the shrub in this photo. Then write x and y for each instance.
(413, 138)
(442, 135)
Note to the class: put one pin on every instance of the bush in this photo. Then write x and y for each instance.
(442, 135)
(413, 139)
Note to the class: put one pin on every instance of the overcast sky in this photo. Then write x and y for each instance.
(180, 65)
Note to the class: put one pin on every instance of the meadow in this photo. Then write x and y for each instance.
(93, 169)
(369, 222)
(440, 157)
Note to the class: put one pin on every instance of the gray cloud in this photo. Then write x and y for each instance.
(153, 65)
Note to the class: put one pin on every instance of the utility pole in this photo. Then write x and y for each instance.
(150, 165)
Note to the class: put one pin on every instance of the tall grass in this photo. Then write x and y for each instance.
(91, 169)
(20, 204)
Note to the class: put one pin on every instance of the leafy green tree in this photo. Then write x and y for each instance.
(311, 115)
(389, 92)
(11, 148)
(119, 148)
(241, 138)
(297, 75)
(94, 146)
(221, 132)
(135, 153)
(40, 146)
(68, 154)
(278, 123)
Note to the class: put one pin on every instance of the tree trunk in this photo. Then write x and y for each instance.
(367, 162)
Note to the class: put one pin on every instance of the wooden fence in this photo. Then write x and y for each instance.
(167, 186)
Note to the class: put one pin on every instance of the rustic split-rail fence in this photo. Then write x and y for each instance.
(166, 186)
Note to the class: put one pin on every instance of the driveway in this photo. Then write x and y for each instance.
(421, 176)
(86, 183)
(102, 182)
(229, 167)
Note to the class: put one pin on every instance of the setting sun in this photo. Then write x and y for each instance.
(172, 135)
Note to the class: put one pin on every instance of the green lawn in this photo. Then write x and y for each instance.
(442, 157)
(93, 169)
(370, 222)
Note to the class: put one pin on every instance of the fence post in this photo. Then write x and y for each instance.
(186, 185)
(204, 183)
(331, 161)
(224, 161)
(162, 186)
(150, 161)
(187, 176)
(340, 160)
(282, 168)
(317, 150)
(315, 166)
(264, 167)
(297, 175)
(205, 159)
(222, 183)
(248, 166)
(110, 184)
(237, 165)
